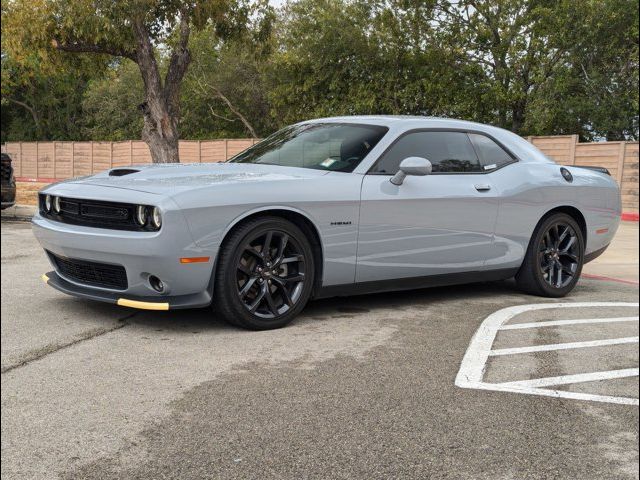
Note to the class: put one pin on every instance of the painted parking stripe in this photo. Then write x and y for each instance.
(577, 321)
(576, 378)
(475, 359)
(545, 392)
(562, 346)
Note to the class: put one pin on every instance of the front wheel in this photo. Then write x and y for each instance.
(265, 274)
(554, 259)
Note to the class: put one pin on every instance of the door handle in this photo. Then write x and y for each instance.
(482, 187)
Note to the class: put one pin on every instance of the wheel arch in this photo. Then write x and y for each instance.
(574, 213)
(299, 219)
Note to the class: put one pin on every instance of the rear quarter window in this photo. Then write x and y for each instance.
(490, 153)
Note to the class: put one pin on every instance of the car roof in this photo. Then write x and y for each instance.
(409, 121)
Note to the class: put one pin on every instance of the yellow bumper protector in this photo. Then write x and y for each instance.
(123, 302)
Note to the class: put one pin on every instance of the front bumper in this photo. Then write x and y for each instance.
(201, 299)
(141, 254)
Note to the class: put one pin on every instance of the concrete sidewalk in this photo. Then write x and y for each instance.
(19, 212)
(620, 261)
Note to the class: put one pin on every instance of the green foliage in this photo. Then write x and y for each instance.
(231, 70)
(40, 102)
(110, 104)
(532, 66)
(596, 93)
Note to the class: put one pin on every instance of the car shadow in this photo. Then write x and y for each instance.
(203, 319)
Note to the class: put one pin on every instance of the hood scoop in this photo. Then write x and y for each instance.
(121, 172)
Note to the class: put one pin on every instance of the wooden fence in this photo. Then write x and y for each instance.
(60, 160)
(620, 158)
(49, 161)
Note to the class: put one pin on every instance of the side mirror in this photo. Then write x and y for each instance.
(411, 166)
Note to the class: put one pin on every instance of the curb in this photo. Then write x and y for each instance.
(19, 212)
(605, 278)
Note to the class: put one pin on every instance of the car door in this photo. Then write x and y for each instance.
(436, 224)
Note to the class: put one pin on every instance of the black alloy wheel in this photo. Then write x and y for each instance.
(554, 259)
(559, 255)
(270, 274)
(265, 274)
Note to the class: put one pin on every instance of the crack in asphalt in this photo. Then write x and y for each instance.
(53, 348)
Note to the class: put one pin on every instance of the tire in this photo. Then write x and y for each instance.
(554, 258)
(260, 288)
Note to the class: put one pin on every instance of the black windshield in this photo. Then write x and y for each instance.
(336, 147)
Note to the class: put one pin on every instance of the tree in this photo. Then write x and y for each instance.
(550, 66)
(595, 94)
(138, 30)
(42, 101)
(110, 104)
(365, 57)
(225, 90)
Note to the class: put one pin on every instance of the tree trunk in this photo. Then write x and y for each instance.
(518, 114)
(161, 135)
(161, 109)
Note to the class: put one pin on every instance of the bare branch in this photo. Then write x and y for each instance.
(217, 115)
(180, 59)
(27, 107)
(77, 47)
(204, 89)
(236, 112)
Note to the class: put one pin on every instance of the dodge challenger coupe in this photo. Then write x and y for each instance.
(328, 207)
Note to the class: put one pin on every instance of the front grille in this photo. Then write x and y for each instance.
(94, 213)
(91, 273)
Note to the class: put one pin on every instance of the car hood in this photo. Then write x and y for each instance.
(174, 178)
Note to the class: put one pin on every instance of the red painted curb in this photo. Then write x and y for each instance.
(630, 217)
(609, 279)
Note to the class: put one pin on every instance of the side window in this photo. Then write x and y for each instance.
(490, 152)
(448, 152)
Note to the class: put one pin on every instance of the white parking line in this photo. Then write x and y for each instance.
(563, 346)
(577, 378)
(557, 323)
(475, 359)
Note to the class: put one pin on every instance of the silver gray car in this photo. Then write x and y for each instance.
(328, 207)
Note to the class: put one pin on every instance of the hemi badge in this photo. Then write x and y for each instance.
(194, 259)
(602, 230)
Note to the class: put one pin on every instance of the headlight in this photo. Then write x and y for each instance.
(56, 204)
(141, 215)
(47, 203)
(156, 218)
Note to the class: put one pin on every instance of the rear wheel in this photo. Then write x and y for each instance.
(554, 259)
(265, 274)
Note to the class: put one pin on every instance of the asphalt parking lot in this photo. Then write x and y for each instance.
(439, 383)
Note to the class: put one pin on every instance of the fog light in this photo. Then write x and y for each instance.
(47, 203)
(156, 283)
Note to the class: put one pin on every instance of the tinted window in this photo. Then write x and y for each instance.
(448, 152)
(322, 146)
(490, 152)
